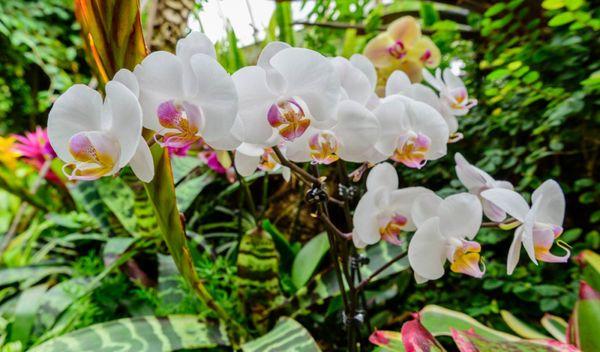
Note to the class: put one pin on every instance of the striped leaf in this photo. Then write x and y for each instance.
(29, 275)
(146, 224)
(140, 334)
(88, 196)
(112, 33)
(288, 335)
(119, 199)
(188, 190)
(258, 274)
(182, 166)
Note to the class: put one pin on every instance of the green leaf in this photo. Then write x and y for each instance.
(308, 259)
(556, 326)
(471, 341)
(288, 335)
(495, 9)
(531, 77)
(189, 190)
(171, 333)
(498, 74)
(574, 4)
(553, 4)
(30, 274)
(439, 321)
(25, 311)
(182, 166)
(519, 327)
(561, 19)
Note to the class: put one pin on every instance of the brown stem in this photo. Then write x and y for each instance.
(334, 229)
(366, 281)
(295, 168)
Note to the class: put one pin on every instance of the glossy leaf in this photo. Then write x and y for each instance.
(585, 319)
(308, 259)
(171, 333)
(288, 335)
(520, 327)
(556, 326)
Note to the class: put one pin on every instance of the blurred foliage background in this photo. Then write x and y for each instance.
(532, 65)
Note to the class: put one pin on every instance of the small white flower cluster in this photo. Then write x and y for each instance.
(445, 228)
(315, 109)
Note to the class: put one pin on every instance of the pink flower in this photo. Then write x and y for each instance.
(35, 145)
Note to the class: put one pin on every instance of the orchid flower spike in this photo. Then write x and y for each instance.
(412, 132)
(477, 181)
(399, 84)
(454, 97)
(188, 96)
(445, 232)
(384, 211)
(287, 91)
(97, 138)
(541, 224)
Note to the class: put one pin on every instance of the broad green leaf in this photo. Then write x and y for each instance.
(119, 199)
(25, 311)
(112, 33)
(561, 19)
(188, 190)
(439, 321)
(287, 253)
(553, 4)
(57, 300)
(468, 341)
(591, 268)
(116, 246)
(140, 334)
(30, 274)
(288, 335)
(308, 259)
(88, 196)
(556, 326)
(520, 327)
(258, 274)
(182, 166)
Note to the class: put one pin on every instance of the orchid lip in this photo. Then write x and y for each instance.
(391, 227)
(289, 118)
(181, 122)
(397, 50)
(412, 149)
(323, 148)
(96, 154)
(465, 259)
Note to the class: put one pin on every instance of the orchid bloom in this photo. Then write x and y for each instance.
(352, 138)
(289, 90)
(541, 224)
(393, 44)
(412, 132)
(454, 97)
(477, 181)
(8, 154)
(384, 211)
(445, 230)
(188, 96)
(97, 138)
(399, 84)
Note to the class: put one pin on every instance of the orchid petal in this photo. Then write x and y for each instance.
(377, 50)
(365, 218)
(468, 174)
(246, 164)
(509, 201)
(77, 110)
(362, 63)
(433, 81)
(460, 216)
(383, 175)
(128, 79)
(195, 43)
(426, 120)
(402, 200)
(126, 123)
(515, 251)
(398, 83)
(406, 29)
(425, 207)
(354, 82)
(357, 131)
(552, 207)
(275, 80)
(427, 250)
(141, 163)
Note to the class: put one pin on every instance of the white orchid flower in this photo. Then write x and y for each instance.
(358, 79)
(541, 224)
(96, 138)
(384, 211)
(445, 230)
(454, 97)
(477, 181)
(412, 132)
(399, 83)
(352, 138)
(188, 96)
(289, 90)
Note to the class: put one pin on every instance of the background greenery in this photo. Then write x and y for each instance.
(533, 67)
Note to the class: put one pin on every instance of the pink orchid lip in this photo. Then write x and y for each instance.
(289, 118)
(397, 50)
(392, 227)
(411, 150)
(181, 122)
(543, 239)
(95, 155)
